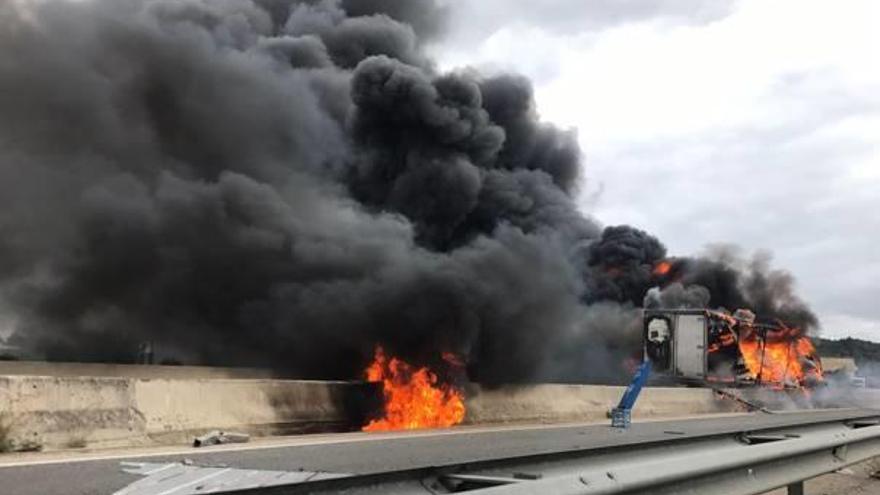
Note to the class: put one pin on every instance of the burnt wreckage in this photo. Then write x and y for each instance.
(700, 346)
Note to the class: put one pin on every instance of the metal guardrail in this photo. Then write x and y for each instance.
(775, 451)
(724, 470)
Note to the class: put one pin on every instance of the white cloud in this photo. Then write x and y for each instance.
(848, 326)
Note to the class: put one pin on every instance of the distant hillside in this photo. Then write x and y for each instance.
(862, 351)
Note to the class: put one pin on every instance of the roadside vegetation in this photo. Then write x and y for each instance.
(866, 354)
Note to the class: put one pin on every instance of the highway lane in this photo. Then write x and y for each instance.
(99, 472)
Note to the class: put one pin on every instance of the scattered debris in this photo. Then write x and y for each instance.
(218, 437)
(752, 406)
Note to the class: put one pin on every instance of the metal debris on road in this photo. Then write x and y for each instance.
(218, 437)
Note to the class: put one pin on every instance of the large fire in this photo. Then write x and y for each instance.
(414, 398)
(772, 355)
(780, 357)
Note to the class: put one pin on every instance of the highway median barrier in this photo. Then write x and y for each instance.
(56, 410)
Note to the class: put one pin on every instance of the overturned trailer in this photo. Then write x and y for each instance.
(698, 346)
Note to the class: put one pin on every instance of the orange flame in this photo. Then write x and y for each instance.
(785, 359)
(413, 397)
(662, 268)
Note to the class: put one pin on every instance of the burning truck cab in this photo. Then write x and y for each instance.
(699, 346)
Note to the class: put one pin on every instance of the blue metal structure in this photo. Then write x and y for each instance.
(621, 415)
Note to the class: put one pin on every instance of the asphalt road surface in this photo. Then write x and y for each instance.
(99, 473)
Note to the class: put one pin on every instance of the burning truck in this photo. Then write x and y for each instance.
(702, 346)
(686, 346)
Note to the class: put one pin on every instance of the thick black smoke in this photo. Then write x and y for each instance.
(288, 184)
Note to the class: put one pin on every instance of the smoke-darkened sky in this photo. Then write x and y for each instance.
(290, 183)
(750, 122)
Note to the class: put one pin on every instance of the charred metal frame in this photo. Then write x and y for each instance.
(682, 349)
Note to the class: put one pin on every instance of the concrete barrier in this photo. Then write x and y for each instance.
(42, 368)
(57, 412)
(99, 411)
(64, 405)
(571, 403)
(176, 410)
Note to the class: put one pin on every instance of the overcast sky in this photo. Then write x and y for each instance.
(753, 122)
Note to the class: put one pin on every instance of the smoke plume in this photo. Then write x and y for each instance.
(289, 183)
